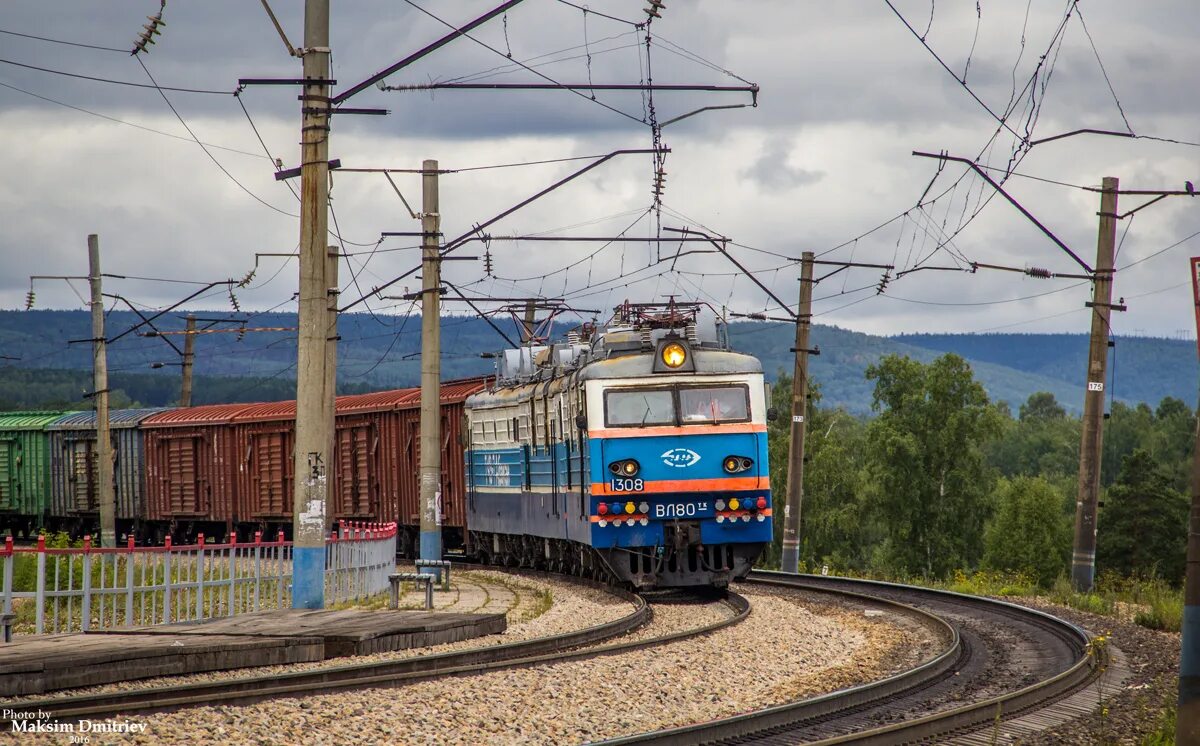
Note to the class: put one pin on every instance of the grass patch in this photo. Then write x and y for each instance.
(1164, 730)
(1063, 593)
(991, 583)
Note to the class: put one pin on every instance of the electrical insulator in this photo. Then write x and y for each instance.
(249, 276)
(1043, 274)
(487, 263)
(653, 8)
(241, 334)
(234, 301)
(883, 283)
(29, 300)
(148, 32)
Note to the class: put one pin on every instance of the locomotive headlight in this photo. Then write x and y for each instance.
(674, 355)
(735, 464)
(626, 468)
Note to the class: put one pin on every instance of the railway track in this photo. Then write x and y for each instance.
(1001, 661)
(577, 645)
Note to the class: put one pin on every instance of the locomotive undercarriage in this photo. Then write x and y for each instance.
(681, 562)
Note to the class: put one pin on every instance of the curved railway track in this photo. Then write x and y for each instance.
(1002, 660)
(577, 645)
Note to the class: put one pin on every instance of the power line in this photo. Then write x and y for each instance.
(60, 41)
(121, 121)
(162, 92)
(114, 82)
(526, 67)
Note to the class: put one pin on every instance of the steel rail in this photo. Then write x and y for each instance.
(779, 719)
(242, 691)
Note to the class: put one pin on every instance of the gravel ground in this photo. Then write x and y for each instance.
(1125, 716)
(574, 607)
(787, 648)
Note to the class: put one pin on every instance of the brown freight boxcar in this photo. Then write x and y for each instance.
(228, 467)
(377, 458)
(192, 461)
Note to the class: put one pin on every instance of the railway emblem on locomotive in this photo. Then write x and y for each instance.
(680, 457)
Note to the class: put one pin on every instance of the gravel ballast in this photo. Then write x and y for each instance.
(787, 648)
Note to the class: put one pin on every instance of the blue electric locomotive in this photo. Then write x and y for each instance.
(637, 452)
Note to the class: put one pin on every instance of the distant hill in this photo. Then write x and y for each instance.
(377, 352)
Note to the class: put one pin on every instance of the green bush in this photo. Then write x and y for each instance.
(1062, 592)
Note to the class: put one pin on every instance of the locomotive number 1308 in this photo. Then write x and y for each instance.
(621, 484)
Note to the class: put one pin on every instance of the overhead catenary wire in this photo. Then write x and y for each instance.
(110, 81)
(162, 92)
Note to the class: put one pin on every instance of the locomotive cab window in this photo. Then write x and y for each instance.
(685, 405)
(639, 407)
(714, 404)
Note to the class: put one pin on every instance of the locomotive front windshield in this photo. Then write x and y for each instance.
(714, 404)
(684, 405)
(640, 407)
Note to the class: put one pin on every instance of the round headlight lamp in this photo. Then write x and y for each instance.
(674, 355)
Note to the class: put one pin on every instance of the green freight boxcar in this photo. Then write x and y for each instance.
(24, 470)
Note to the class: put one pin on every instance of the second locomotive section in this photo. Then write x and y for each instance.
(643, 453)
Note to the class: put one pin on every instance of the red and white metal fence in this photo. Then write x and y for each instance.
(89, 588)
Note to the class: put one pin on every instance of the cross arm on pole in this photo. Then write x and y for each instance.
(992, 182)
(721, 248)
(424, 52)
(479, 228)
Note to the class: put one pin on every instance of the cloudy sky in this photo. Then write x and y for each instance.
(823, 163)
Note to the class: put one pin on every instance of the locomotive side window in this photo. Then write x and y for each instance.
(637, 407)
(714, 404)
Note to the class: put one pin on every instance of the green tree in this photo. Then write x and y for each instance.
(929, 482)
(1043, 442)
(1042, 406)
(832, 525)
(1029, 532)
(1142, 530)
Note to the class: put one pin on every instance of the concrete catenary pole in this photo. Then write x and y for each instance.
(790, 561)
(189, 355)
(331, 277)
(312, 409)
(528, 322)
(1187, 726)
(1083, 560)
(431, 367)
(105, 494)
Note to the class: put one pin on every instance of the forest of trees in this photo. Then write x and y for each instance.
(940, 479)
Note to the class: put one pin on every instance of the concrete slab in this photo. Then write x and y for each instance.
(345, 632)
(37, 664)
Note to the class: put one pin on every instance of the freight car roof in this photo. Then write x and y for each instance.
(451, 392)
(209, 414)
(117, 418)
(33, 420)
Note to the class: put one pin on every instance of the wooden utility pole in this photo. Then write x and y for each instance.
(431, 366)
(1083, 560)
(313, 435)
(790, 561)
(105, 493)
(1187, 727)
(189, 354)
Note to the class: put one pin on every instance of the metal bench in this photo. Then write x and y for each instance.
(417, 578)
(6, 622)
(441, 566)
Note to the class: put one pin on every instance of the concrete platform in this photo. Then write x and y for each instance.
(34, 665)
